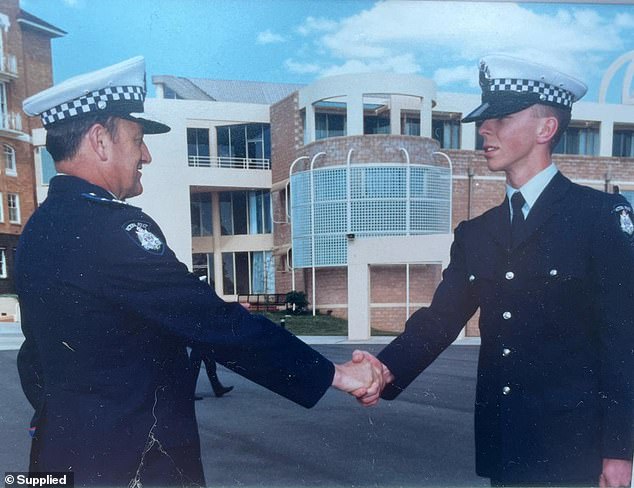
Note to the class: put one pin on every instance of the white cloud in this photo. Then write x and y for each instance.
(312, 25)
(466, 75)
(396, 64)
(269, 37)
(301, 68)
(624, 20)
(441, 38)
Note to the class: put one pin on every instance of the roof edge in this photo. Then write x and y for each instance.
(29, 20)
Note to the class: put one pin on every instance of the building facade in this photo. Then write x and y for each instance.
(347, 189)
(25, 69)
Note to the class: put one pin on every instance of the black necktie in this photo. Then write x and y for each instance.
(517, 202)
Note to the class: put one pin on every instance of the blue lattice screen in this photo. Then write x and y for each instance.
(379, 204)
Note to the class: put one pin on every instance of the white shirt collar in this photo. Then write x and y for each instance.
(532, 188)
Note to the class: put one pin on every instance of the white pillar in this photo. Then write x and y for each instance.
(395, 115)
(425, 117)
(216, 232)
(606, 134)
(468, 136)
(358, 296)
(354, 114)
(309, 129)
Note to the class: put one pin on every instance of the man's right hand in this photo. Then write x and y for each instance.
(371, 398)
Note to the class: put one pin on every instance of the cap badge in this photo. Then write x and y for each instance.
(485, 76)
(625, 220)
(139, 233)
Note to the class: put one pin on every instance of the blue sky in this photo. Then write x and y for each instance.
(298, 41)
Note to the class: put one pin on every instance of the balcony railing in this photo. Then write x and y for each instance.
(11, 121)
(8, 66)
(229, 163)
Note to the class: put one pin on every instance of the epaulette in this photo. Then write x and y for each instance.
(108, 201)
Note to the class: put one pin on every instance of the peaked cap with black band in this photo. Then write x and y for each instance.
(117, 90)
(511, 84)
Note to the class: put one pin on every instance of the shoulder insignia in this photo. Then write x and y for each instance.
(141, 235)
(625, 218)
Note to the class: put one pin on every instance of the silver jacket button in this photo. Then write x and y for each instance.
(553, 272)
(506, 352)
(471, 278)
(507, 315)
(509, 275)
(506, 390)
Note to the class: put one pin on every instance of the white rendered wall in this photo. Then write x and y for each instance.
(428, 249)
(167, 180)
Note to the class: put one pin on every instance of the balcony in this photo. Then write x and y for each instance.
(228, 163)
(8, 67)
(11, 125)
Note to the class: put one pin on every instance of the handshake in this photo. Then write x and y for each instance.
(364, 377)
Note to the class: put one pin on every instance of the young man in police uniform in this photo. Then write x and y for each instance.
(552, 271)
(108, 311)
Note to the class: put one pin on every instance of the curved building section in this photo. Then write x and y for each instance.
(353, 158)
(398, 187)
(369, 102)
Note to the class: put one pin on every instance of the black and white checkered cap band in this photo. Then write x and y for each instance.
(546, 92)
(106, 98)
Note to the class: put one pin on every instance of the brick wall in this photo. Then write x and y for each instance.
(32, 51)
(487, 188)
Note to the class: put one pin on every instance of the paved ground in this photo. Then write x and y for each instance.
(253, 438)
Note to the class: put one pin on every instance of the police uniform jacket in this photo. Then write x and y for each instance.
(555, 374)
(108, 311)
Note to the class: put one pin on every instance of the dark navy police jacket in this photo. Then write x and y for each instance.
(107, 312)
(555, 375)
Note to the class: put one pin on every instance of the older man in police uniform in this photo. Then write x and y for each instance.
(552, 271)
(108, 310)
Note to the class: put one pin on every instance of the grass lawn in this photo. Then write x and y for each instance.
(319, 325)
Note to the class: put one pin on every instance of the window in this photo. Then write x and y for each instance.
(4, 110)
(376, 124)
(244, 212)
(248, 272)
(9, 161)
(3, 263)
(446, 130)
(1, 208)
(329, 125)
(259, 212)
(169, 93)
(243, 142)
(13, 201)
(582, 140)
(200, 209)
(198, 147)
(203, 266)
(622, 146)
(410, 124)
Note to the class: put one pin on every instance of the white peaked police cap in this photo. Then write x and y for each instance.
(117, 90)
(511, 84)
